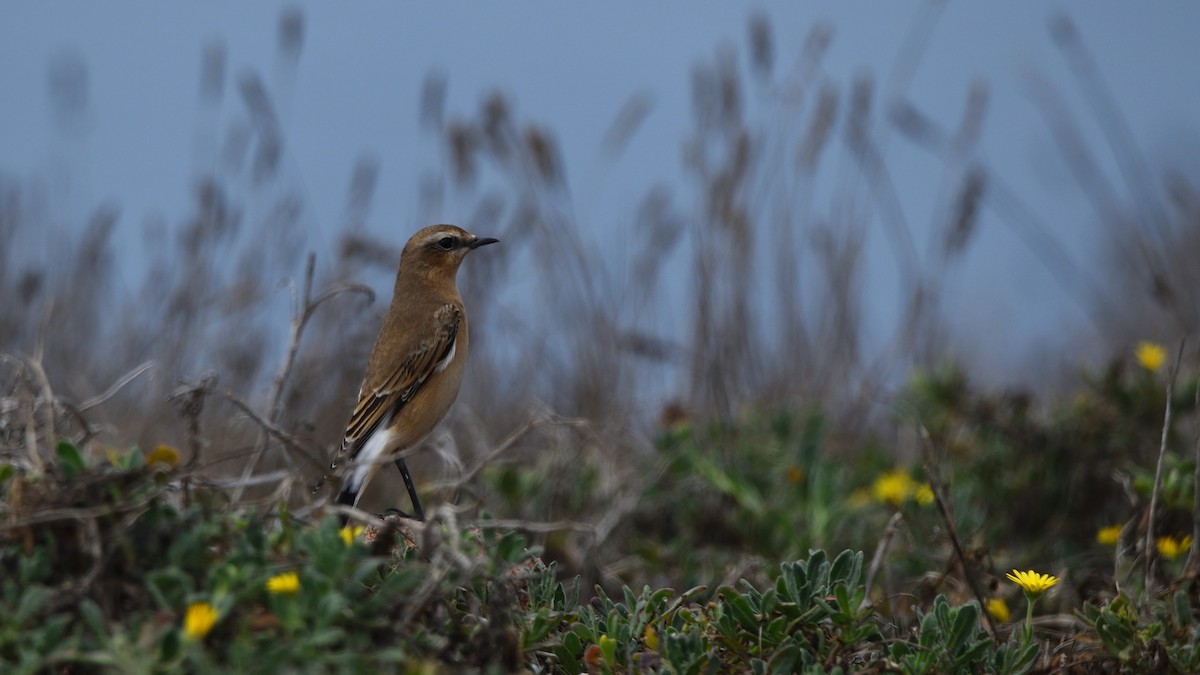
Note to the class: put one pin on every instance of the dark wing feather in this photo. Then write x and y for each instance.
(378, 404)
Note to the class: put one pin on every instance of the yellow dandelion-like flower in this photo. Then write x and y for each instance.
(199, 620)
(287, 583)
(1150, 355)
(795, 475)
(998, 610)
(1109, 536)
(893, 487)
(350, 533)
(924, 494)
(163, 454)
(651, 638)
(1171, 548)
(1032, 582)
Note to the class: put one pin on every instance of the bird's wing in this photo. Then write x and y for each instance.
(379, 401)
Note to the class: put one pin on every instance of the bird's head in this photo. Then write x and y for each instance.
(438, 250)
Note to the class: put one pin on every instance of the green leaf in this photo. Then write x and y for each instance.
(973, 654)
(1015, 659)
(169, 646)
(71, 460)
(93, 617)
(571, 642)
(608, 649)
(1183, 610)
(846, 567)
(660, 597)
(630, 598)
(511, 548)
(32, 601)
(784, 660)
(941, 610)
(966, 623)
(739, 608)
(742, 493)
(929, 630)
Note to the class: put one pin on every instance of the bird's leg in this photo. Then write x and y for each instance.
(412, 490)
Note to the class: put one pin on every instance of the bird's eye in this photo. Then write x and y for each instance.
(446, 243)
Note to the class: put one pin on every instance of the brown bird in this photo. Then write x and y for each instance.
(417, 362)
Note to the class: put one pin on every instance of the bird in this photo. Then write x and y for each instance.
(416, 365)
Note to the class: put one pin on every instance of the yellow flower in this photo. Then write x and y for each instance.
(924, 494)
(287, 582)
(893, 487)
(163, 454)
(998, 609)
(1171, 548)
(1033, 582)
(651, 638)
(349, 533)
(795, 475)
(199, 620)
(1151, 355)
(1109, 536)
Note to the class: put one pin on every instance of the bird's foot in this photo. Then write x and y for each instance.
(400, 514)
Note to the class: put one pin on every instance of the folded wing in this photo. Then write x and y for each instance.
(379, 402)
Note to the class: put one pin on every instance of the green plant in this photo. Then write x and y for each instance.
(1148, 638)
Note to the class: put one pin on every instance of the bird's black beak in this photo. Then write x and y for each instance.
(481, 241)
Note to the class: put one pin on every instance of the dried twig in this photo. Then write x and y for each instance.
(1193, 559)
(306, 308)
(47, 399)
(885, 542)
(935, 485)
(88, 430)
(30, 424)
(190, 399)
(290, 442)
(54, 515)
(116, 387)
(531, 526)
(1149, 549)
(504, 446)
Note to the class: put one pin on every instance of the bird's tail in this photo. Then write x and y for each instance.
(347, 497)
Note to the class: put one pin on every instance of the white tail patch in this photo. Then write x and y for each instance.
(441, 365)
(367, 461)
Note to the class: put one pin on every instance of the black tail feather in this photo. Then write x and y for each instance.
(347, 497)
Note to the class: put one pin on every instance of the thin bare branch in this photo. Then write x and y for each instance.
(305, 310)
(885, 542)
(291, 443)
(935, 484)
(190, 398)
(1193, 560)
(1150, 551)
(47, 399)
(532, 526)
(500, 449)
(116, 387)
